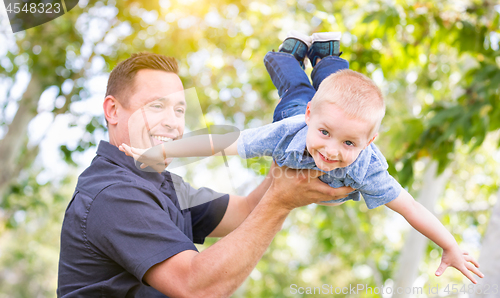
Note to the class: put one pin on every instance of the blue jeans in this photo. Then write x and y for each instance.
(294, 87)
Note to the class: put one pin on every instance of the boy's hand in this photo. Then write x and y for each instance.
(462, 261)
(153, 157)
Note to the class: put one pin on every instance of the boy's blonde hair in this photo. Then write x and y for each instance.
(356, 94)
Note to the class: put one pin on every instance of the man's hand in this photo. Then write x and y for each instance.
(462, 261)
(154, 157)
(292, 188)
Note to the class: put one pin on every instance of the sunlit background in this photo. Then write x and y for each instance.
(437, 63)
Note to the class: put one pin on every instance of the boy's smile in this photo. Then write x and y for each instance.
(333, 139)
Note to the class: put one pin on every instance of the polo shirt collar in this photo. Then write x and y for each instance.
(113, 154)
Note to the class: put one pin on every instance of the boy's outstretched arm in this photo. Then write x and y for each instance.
(426, 223)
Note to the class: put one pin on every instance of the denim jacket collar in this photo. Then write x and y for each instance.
(298, 143)
(357, 170)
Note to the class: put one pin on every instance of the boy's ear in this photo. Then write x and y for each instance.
(110, 107)
(308, 113)
(371, 141)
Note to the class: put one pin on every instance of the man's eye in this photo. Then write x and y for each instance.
(156, 106)
(181, 111)
(324, 132)
(349, 143)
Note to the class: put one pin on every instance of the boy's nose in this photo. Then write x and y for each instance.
(332, 152)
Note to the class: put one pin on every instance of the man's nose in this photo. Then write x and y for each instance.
(170, 120)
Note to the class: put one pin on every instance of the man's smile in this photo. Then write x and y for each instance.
(158, 139)
(162, 138)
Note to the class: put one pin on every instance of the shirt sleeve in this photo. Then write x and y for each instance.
(267, 140)
(207, 207)
(207, 216)
(379, 187)
(139, 231)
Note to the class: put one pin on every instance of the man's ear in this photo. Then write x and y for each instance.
(308, 113)
(110, 107)
(371, 141)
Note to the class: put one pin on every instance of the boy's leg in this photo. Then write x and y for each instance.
(293, 85)
(289, 78)
(325, 48)
(326, 67)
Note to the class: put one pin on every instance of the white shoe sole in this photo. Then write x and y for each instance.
(326, 36)
(300, 36)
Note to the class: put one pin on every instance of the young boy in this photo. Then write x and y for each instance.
(331, 130)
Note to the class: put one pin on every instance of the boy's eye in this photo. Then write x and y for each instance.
(324, 132)
(349, 143)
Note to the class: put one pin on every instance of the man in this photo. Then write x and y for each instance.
(124, 232)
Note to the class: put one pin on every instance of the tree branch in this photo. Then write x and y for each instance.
(11, 144)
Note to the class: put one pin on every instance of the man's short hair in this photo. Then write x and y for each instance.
(121, 79)
(356, 94)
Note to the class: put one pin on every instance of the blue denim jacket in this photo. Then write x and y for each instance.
(285, 141)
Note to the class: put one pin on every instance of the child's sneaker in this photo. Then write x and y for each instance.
(324, 44)
(296, 44)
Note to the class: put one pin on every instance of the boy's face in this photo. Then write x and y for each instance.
(333, 139)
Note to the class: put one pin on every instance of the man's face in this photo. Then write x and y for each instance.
(156, 110)
(333, 139)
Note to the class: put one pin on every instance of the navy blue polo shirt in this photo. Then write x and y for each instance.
(121, 221)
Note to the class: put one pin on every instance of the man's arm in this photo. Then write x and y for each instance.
(220, 269)
(426, 223)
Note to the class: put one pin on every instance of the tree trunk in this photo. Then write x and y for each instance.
(416, 243)
(16, 137)
(490, 256)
